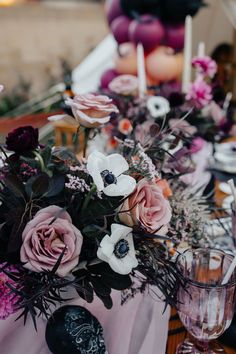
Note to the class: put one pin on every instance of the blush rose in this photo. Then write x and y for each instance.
(146, 206)
(46, 236)
(91, 110)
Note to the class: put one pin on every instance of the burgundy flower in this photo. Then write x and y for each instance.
(22, 140)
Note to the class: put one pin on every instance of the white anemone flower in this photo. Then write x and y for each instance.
(158, 106)
(107, 173)
(118, 249)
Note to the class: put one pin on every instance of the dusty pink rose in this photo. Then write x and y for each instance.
(124, 85)
(182, 126)
(44, 239)
(200, 93)
(90, 110)
(205, 66)
(146, 206)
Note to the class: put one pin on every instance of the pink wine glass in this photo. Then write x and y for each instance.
(205, 306)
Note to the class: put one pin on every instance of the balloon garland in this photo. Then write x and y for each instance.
(159, 26)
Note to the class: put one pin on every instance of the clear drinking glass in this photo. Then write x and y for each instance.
(205, 307)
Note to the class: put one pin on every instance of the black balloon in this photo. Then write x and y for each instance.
(74, 330)
(171, 11)
(175, 11)
(132, 7)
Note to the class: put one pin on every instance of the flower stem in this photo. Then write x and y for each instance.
(86, 139)
(41, 162)
(89, 196)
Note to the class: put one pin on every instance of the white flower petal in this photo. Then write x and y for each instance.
(120, 266)
(107, 245)
(132, 260)
(96, 163)
(57, 117)
(125, 186)
(102, 256)
(118, 232)
(124, 230)
(117, 164)
(106, 250)
(91, 120)
(158, 106)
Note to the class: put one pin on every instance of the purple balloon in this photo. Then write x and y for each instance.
(148, 30)
(120, 29)
(107, 77)
(175, 36)
(113, 10)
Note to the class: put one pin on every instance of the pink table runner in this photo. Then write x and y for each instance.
(138, 327)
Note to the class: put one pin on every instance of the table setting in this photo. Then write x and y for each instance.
(100, 246)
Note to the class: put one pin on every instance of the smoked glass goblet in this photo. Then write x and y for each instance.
(205, 306)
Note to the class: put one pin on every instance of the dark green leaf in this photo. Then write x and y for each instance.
(56, 185)
(107, 301)
(116, 281)
(37, 185)
(99, 287)
(15, 185)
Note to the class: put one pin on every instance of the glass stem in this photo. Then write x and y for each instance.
(202, 346)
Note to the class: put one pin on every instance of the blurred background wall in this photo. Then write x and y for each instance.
(36, 37)
(212, 26)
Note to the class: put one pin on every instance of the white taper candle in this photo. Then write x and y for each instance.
(201, 50)
(141, 71)
(187, 54)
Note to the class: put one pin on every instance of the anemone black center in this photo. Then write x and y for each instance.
(108, 177)
(121, 249)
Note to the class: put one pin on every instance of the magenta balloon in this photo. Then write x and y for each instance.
(175, 36)
(149, 31)
(107, 77)
(120, 29)
(113, 10)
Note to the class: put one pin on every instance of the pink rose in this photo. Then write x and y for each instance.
(146, 206)
(90, 110)
(44, 239)
(124, 85)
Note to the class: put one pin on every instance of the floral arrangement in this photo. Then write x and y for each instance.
(205, 111)
(93, 225)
